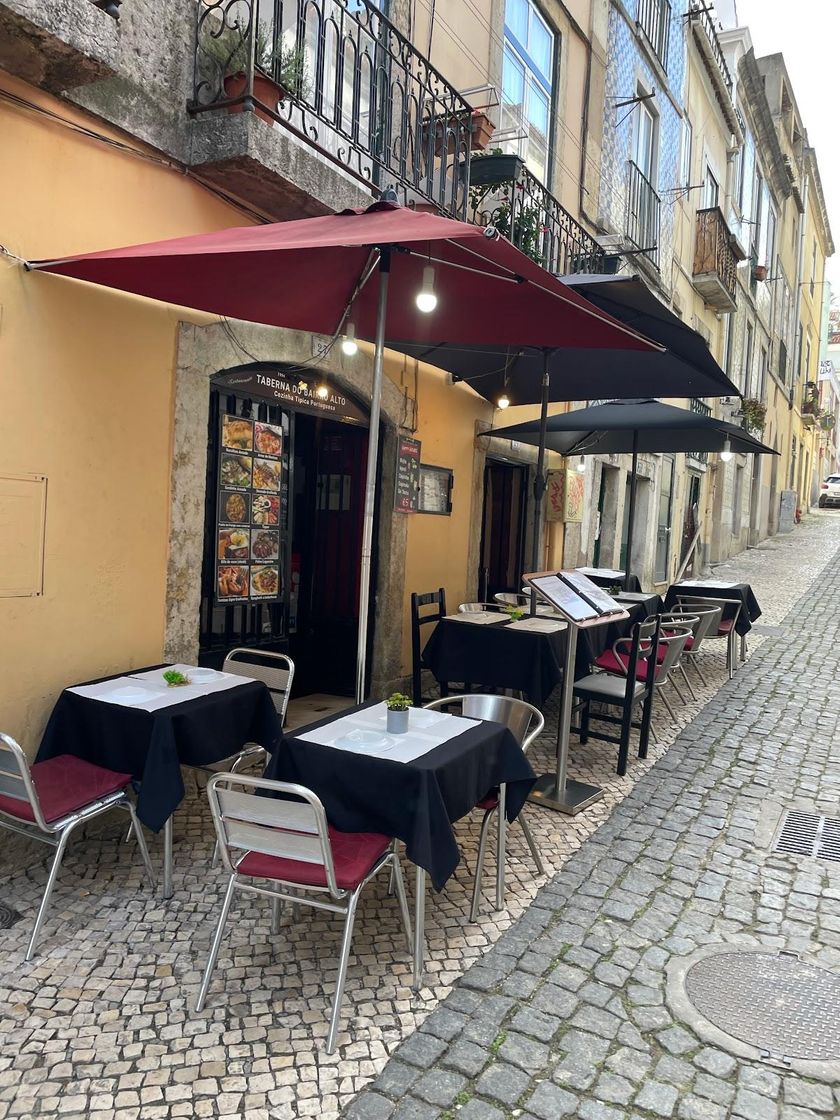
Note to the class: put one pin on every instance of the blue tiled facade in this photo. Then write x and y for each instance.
(633, 68)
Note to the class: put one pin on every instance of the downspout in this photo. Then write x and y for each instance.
(798, 306)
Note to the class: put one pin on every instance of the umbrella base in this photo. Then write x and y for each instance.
(572, 799)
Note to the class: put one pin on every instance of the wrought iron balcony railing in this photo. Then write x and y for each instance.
(715, 260)
(643, 206)
(655, 22)
(342, 77)
(700, 407)
(504, 194)
(699, 16)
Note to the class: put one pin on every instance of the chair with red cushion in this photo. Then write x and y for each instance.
(288, 844)
(526, 722)
(730, 610)
(669, 647)
(48, 800)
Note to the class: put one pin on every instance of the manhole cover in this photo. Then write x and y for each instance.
(775, 1002)
(809, 834)
(8, 916)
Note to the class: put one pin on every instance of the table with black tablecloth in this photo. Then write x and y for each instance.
(152, 746)
(739, 592)
(610, 577)
(416, 802)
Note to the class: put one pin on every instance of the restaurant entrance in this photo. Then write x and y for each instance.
(502, 528)
(283, 524)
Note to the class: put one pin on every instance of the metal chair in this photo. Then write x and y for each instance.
(472, 608)
(726, 628)
(289, 844)
(693, 622)
(625, 688)
(526, 722)
(48, 801)
(669, 647)
(277, 672)
(512, 599)
(708, 621)
(436, 599)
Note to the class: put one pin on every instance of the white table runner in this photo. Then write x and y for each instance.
(149, 692)
(479, 618)
(426, 730)
(538, 625)
(706, 583)
(610, 572)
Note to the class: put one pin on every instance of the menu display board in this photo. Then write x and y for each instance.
(248, 535)
(435, 490)
(407, 482)
(575, 596)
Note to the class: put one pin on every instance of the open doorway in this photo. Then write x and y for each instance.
(502, 528)
(328, 472)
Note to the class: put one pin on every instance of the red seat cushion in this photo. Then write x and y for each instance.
(491, 801)
(618, 665)
(63, 784)
(725, 625)
(354, 854)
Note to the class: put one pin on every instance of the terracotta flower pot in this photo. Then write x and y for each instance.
(759, 272)
(266, 92)
(481, 131)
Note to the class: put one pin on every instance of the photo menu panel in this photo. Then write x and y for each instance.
(248, 529)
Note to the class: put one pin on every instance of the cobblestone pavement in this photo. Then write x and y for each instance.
(100, 1024)
(569, 1013)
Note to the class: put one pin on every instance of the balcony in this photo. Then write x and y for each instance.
(643, 206)
(58, 47)
(702, 409)
(340, 79)
(708, 44)
(655, 22)
(505, 195)
(715, 261)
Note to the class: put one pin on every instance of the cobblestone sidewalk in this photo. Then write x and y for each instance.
(568, 1014)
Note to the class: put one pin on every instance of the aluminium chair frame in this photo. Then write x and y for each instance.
(289, 818)
(474, 702)
(730, 611)
(56, 833)
(709, 620)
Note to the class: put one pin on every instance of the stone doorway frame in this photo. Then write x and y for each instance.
(203, 351)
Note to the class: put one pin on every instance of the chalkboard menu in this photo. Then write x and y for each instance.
(407, 483)
(248, 528)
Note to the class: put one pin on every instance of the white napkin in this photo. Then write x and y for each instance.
(426, 730)
(540, 625)
(480, 618)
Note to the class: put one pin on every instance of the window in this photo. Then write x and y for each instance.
(645, 140)
(737, 494)
(655, 22)
(527, 82)
(757, 198)
(748, 358)
(813, 266)
(807, 370)
(728, 347)
(762, 374)
(741, 176)
(770, 236)
(711, 189)
(685, 154)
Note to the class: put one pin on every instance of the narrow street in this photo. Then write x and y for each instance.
(580, 1008)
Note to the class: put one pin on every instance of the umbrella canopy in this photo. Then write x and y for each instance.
(685, 368)
(632, 426)
(643, 424)
(320, 274)
(315, 273)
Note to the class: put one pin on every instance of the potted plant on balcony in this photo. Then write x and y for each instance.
(278, 69)
(494, 167)
(754, 414)
(826, 421)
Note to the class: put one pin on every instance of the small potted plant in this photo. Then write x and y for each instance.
(615, 589)
(278, 69)
(515, 613)
(397, 718)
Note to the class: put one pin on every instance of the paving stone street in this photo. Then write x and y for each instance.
(555, 1007)
(569, 1013)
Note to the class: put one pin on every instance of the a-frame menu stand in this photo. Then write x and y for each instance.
(557, 791)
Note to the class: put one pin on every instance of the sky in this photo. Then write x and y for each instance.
(807, 33)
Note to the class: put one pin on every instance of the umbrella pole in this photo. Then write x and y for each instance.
(370, 478)
(539, 480)
(631, 513)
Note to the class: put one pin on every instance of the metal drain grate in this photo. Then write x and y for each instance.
(785, 1007)
(809, 834)
(8, 916)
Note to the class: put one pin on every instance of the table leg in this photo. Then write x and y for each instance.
(167, 858)
(419, 924)
(743, 647)
(500, 851)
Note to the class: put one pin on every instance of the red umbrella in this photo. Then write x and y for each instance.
(316, 275)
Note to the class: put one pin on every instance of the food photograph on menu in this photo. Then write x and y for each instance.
(234, 544)
(238, 433)
(265, 582)
(267, 474)
(268, 439)
(234, 508)
(265, 544)
(265, 509)
(235, 471)
(232, 581)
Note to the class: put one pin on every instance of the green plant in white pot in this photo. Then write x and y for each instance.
(397, 717)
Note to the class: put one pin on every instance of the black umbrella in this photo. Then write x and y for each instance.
(623, 426)
(528, 375)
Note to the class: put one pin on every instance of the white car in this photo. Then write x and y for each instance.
(830, 491)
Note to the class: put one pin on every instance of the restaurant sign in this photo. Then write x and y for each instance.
(407, 481)
(310, 393)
